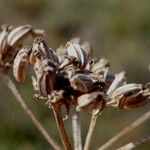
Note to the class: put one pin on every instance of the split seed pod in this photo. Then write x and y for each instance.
(82, 82)
(134, 100)
(18, 33)
(41, 50)
(45, 84)
(119, 80)
(92, 101)
(76, 51)
(46, 80)
(21, 32)
(21, 63)
(129, 96)
(100, 66)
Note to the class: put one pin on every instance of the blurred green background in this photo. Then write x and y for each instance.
(117, 29)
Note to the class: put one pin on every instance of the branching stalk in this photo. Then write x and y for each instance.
(60, 126)
(135, 144)
(29, 112)
(76, 130)
(126, 130)
(90, 131)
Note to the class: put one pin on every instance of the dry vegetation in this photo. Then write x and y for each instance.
(72, 77)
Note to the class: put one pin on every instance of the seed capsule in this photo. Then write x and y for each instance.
(82, 83)
(20, 64)
(41, 50)
(100, 66)
(134, 100)
(18, 34)
(126, 89)
(92, 101)
(45, 84)
(128, 96)
(76, 51)
(119, 80)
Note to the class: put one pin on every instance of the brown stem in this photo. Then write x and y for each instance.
(135, 144)
(90, 131)
(126, 130)
(60, 126)
(29, 112)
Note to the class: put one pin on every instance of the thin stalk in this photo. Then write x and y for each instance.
(135, 144)
(126, 130)
(90, 131)
(76, 130)
(60, 125)
(29, 112)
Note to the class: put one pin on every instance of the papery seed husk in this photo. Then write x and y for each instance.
(82, 83)
(45, 84)
(87, 101)
(20, 64)
(100, 66)
(76, 51)
(119, 80)
(126, 88)
(18, 34)
(134, 100)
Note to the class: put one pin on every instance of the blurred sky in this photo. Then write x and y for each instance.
(117, 29)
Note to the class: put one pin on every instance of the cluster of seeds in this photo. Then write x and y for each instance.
(69, 76)
(72, 77)
(10, 41)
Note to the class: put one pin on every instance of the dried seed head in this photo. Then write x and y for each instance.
(45, 84)
(99, 67)
(134, 100)
(10, 40)
(76, 51)
(126, 89)
(128, 96)
(41, 51)
(92, 101)
(120, 79)
(21, 63)
(82, 83)
(18, 34)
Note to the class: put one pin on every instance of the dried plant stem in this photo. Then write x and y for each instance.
(90, 131)
(126, 130)
(135, 144)
(60, 125)
(29, 112)
(76, 130)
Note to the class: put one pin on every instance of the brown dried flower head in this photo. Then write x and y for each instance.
(76, 79)
(11, 39)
